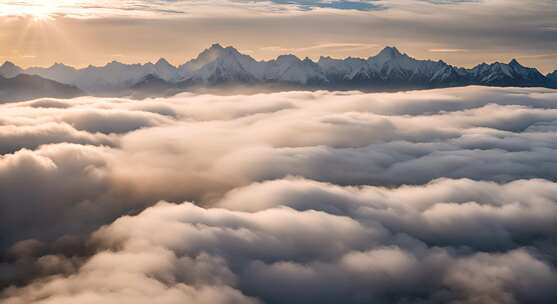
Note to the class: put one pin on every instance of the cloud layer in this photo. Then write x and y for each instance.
(443, 196)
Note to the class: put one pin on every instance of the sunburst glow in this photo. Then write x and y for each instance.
(44, 11)
(38, 10)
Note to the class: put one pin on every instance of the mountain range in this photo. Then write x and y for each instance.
(225, 67)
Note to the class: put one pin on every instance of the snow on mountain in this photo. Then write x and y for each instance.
(113, 76)
(57, 72)
(509, 74)
(291, 69)
(386, 55)
(392, 65)
(216, 65)
(345, 69)
(389, 65)
(450, 75)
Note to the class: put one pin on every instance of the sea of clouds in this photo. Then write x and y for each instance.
(442, 196)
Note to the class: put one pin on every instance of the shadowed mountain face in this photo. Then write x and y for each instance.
(552, 79)
(25, 87)
(220, 67)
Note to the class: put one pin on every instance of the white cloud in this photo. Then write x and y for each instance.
(437, 196)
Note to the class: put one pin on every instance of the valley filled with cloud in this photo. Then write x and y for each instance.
(434, 196)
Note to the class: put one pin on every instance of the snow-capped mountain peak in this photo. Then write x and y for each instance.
(390, 68)
(389, 52)
(218, 64)
(209, 55)
(291, 69)
(391, 64)
(503, 74)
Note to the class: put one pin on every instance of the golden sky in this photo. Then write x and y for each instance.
(460, 32)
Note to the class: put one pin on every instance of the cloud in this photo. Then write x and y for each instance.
(14, 138)
(205, 252)
(165, 9)
(322, 47)
(342, 4)
(414, 197)
(448, 50)
(445, 212)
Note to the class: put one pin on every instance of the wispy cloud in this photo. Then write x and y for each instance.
(161, 8)
(551, 55)
(334, 4)
(448, 50)
(323, 48)
(171, 29)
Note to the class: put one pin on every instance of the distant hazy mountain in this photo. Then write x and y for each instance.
(218, 67)
(10, 70)
(25, 87)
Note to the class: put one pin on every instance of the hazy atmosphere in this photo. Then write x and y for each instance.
(461, 32)
(171, 152)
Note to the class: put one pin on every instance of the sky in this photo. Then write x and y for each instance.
(418, 197)
(460, 32)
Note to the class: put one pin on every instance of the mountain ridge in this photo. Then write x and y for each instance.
(26, 87)
(219, 66)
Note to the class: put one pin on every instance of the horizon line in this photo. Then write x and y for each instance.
(247, 53)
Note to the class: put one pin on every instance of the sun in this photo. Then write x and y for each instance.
(42, 10)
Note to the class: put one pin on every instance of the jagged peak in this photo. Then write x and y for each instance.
(485, 65)
(163, 62)
(390, 52)
(59, 65)
(217, 59)
(216, 51)
(288, 57)
(216, 46)
(10, 68)
(231, 49)
(219, 50)
(8, 63)
(515, 62)
(114, 62)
